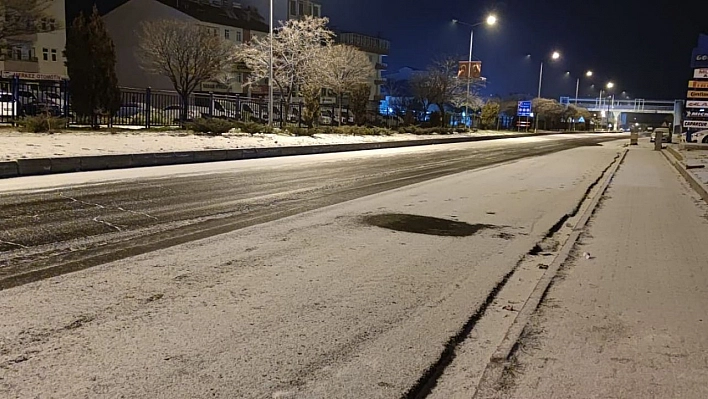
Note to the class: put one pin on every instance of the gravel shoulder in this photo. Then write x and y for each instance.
(629, 319)
(318, 305)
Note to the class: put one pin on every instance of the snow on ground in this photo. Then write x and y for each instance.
(15, 145)
(697, 157)
(319, 305)
(630, 322)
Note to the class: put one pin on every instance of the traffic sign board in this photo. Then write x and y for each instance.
(581, 120)
(524, 108)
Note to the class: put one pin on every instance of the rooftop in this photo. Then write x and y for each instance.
(221, 12)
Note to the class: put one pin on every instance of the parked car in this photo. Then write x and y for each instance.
(665, 135)
(700, 137)
(222, 108)
(8, 105)
(174, 114)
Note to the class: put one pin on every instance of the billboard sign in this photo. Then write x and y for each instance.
(696, 104)
(470, 70)
(524, 108)
(700, 73)
(695, 124)
(697, 94)
(697, 84)
(696, 114)
(700, 58)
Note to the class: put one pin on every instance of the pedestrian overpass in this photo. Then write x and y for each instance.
(616, 111)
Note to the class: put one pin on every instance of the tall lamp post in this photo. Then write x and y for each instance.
(577, 85)
(556, 55)
(609, 86)
(270, 69)
(491, 20)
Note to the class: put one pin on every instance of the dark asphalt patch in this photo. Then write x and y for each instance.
(425, 225)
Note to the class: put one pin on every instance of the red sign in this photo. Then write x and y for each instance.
(470, 69)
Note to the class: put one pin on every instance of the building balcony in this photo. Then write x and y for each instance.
(29, 65)
(369, 44)
(381, 66)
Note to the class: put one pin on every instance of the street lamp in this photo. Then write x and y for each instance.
(270, 69)
(577, 85)
(491, 20)
(556, 55)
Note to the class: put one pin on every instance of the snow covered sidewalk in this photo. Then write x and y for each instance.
(630, 322)
(16, 145)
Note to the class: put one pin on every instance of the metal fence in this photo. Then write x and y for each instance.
(149, 108)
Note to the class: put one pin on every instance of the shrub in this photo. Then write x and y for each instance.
(211, 126)
(253, 127)
(302, 131)
(41, 124)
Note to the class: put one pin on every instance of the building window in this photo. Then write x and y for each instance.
(227, 34)
(316, 10)
(239, 77)
(301, 9)
(45, 54)
(54, 55)
(239, 37)
(44, 24)
(293, 7)
(52, 24)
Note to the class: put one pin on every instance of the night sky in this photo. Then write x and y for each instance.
(643, 46)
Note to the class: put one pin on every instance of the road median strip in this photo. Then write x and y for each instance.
(53, 165)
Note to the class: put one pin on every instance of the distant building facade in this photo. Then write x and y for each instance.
(376, 49)
(225, 18)
(39, 56)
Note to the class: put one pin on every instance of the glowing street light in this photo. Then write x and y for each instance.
(490, 20)
(610, 85)
(588, 73)
(556, 55)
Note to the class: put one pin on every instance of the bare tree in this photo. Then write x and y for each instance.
(440, 85)
(25, 17)
(296, 45)
(342, 69)
(185, 53)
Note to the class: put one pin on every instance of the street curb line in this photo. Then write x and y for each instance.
(495, 368)
(45, 166)
(698, 186)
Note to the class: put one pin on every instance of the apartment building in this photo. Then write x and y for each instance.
(38, 57)
(284, 10)
(376, 49)
(229, 19)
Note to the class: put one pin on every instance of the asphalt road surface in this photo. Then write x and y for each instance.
(357, 300)
(75, 226)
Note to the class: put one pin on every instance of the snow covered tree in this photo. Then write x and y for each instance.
(296, 45)
(185, 53)
(342, 69)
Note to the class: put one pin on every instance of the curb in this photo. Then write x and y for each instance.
(696, 184)
(495, 368)
(45, 166)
